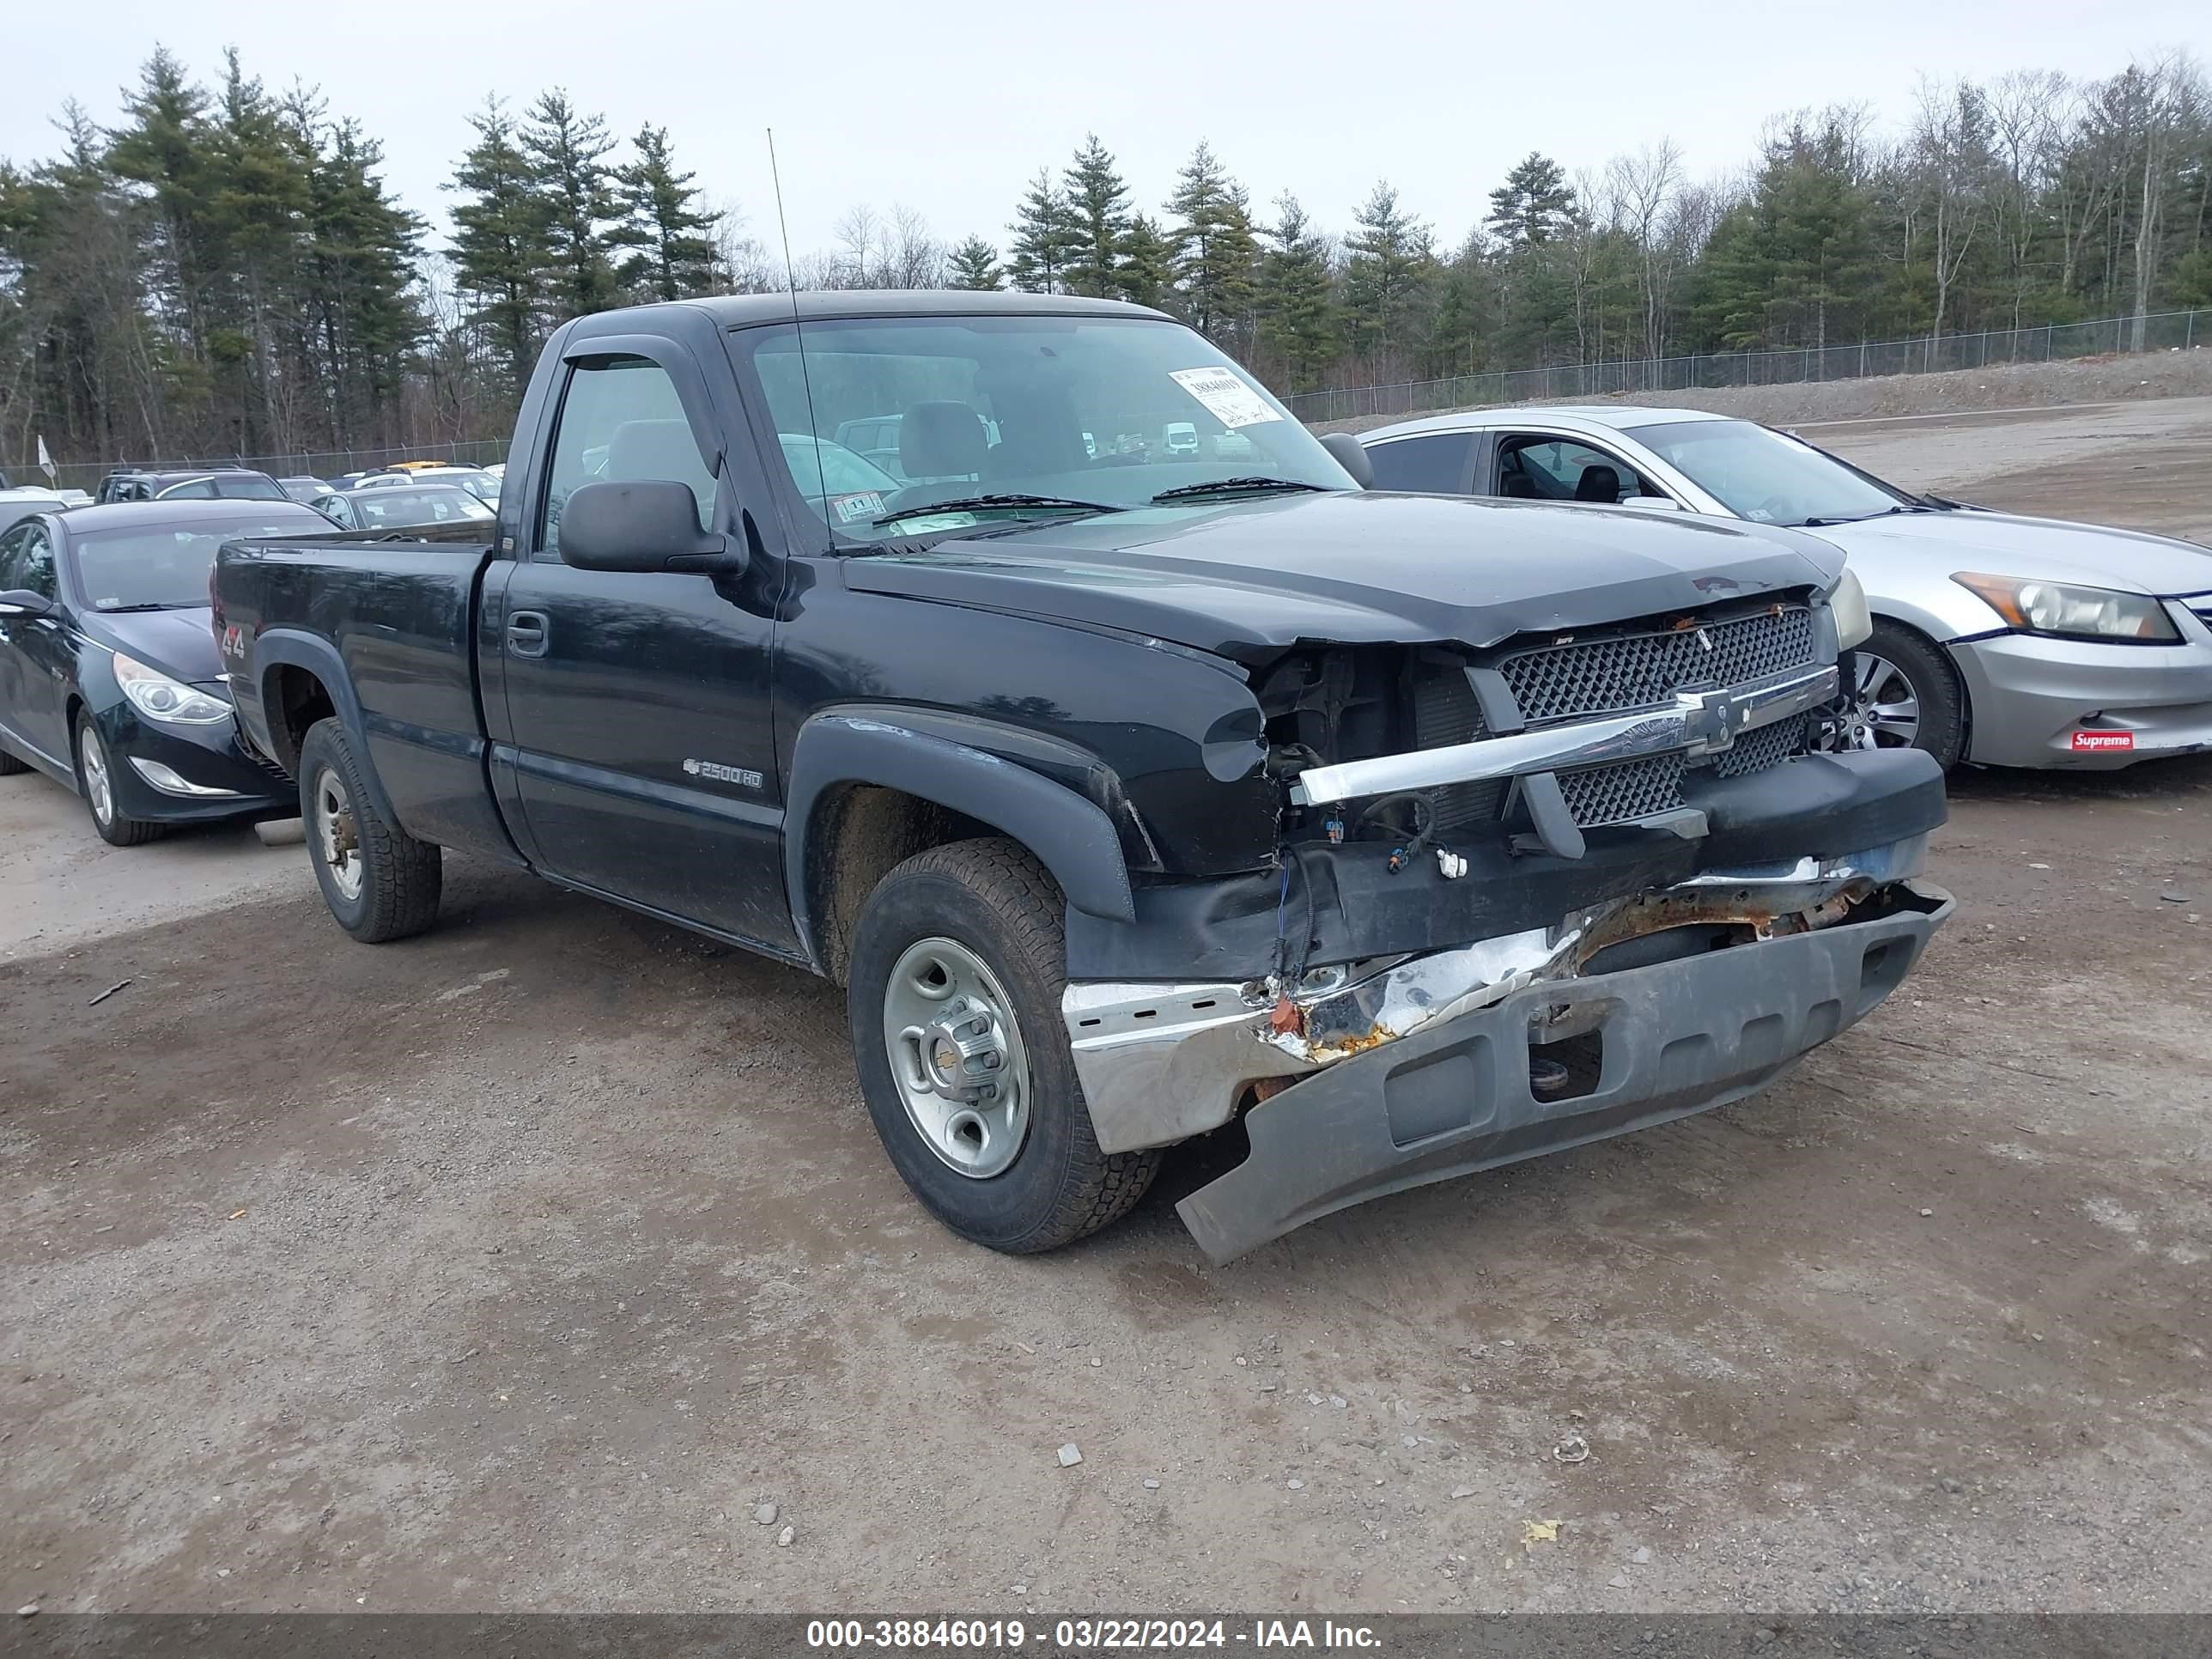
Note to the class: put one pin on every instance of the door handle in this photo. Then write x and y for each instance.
(526, 633)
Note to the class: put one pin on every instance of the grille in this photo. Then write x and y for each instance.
(1634, 671)
(1446, 713)
(1616, 794)
(1762, 747)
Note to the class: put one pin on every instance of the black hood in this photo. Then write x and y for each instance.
(1357, 569)
(178, 643)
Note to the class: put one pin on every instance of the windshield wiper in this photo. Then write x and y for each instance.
(1862, 517)
(1233, 487)
(978, 503)
(130, 609)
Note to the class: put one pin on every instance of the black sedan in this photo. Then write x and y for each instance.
(109, 679)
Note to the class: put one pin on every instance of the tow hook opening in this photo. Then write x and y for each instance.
(1569, 1068)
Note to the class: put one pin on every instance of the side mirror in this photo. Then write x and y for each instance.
(21, 602)
(1351, 456)
(641, 524)
(1671, 505)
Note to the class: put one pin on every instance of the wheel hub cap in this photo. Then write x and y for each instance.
(1880, 710)
(956, 1057)
(337, 834)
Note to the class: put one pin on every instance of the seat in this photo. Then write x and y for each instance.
(1598, 483)
(1518, 485)
(941, 439)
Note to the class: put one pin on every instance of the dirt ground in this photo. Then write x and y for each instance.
(516, 1265)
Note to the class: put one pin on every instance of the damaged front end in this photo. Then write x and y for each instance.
(1160, 1063)
(1525, 895)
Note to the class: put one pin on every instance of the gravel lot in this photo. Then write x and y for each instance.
(518, 1265)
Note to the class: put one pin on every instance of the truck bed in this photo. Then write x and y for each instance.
(384, 628)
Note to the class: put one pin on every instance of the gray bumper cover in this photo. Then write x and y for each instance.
(1678, 1037)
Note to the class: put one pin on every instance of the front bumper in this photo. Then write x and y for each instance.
(205, 757)
(2062, 702)
(1669, 1000)
(1673, 1038)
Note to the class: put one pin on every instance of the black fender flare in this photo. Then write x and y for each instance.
(289, 648)
(1068, 832)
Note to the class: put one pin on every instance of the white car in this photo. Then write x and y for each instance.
(1997, 640)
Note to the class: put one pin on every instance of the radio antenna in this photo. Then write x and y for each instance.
(798, 333)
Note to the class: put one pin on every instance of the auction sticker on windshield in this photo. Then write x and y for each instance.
(1226, 398)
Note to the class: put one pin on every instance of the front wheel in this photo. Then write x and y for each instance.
(958, 965)
(379, 882)
(96, 781)
(1899, 692)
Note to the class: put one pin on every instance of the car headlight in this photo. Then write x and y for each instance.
(161, 698)
(1847, 600)
(2064, 611)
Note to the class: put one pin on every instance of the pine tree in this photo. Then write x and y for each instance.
(973, 264)
(1214, 248)
(1098, 205)
(1296, 308)
(672, 250)
(1047, 240)
(163, 148)
(1146, 271)
(360, 287)
(567, 151)
(1388, 261)
(1533, 204)
(501, 249)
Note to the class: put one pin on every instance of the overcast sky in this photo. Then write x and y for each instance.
(950, 106)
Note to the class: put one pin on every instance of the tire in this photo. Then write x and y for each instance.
(1873, 670)
(381, 883)
(1035, 1186)
(9, 765)
(96, 781)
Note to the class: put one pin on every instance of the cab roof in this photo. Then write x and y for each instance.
(753, 310)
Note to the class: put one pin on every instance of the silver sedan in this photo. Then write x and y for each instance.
(1998, 639)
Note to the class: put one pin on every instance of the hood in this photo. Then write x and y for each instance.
(180, 643)
(1355, 569)
(2043, 549)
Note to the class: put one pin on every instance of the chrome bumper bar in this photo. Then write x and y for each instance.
(1697, 723)
(1160, 1063)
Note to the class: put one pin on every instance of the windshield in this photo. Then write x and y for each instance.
(910, 411)
(1764, 476)
(398, 508)
(166, 565)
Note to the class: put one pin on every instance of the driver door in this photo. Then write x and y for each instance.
(643, 744)
(35, 651)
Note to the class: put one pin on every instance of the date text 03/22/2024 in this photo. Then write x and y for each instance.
(1086, 1635)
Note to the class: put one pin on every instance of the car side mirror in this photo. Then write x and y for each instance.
(1667, 503)
(1351, 456)
(21, 602)
(641, 524)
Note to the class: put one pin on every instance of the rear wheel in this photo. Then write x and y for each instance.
(957, 968)
(96, 781)
(1899, 692)
(379, 882)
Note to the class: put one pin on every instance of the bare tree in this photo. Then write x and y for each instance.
(1644, 187)
(2027, 121)
(913, 258)
(1949, 160)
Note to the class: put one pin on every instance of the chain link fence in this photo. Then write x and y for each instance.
(1566, 383)
(2167, 331)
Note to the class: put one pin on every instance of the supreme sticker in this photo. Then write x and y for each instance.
(2094, 743)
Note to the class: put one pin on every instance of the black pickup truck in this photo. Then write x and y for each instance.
(1140, 775)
